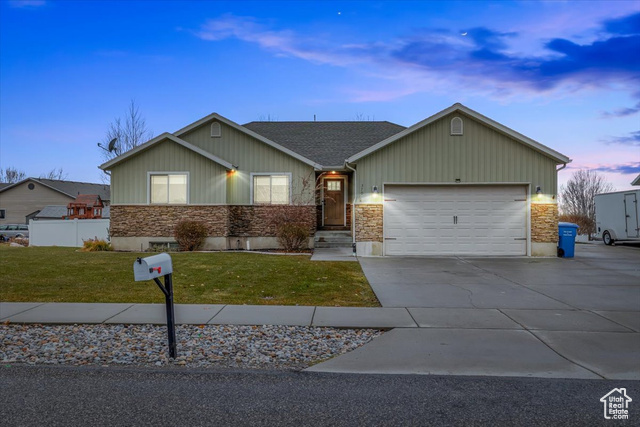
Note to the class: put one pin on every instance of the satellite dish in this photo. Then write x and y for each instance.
(110, 147)
(112, 144)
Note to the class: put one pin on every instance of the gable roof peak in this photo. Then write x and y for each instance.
(558, 157)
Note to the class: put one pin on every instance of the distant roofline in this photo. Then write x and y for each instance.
(39, 181)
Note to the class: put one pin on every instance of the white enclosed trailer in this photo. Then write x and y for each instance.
(617, 216)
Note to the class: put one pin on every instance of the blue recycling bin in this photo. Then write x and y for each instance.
(567, 232)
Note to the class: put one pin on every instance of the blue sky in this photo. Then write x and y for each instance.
(564, 73)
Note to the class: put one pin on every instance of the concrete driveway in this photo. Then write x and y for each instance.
(541, 317)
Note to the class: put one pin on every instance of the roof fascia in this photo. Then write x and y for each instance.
(558, 157)
(160, 138)
(636, 181)
(251, 133)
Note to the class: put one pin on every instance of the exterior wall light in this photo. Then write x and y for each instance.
(538, 190)
(375, 190)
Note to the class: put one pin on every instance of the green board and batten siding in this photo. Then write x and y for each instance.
(129, 180)
(481, 155)
(251, 155)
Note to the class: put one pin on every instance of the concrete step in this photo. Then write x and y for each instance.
(332, 244)
(332, 239)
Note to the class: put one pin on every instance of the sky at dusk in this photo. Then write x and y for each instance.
(564, 73)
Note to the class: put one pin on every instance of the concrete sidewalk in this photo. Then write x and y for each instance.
(203, 314)
(446, 341)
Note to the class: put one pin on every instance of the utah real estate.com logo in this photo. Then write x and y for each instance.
(616, 404)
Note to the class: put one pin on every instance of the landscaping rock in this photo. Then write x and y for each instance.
(262, 347)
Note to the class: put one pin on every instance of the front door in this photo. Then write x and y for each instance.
(334, 202)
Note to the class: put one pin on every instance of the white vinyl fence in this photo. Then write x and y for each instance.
(67, 232)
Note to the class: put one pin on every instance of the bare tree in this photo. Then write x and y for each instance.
(57, 174)
(11, 175)
(128, 132)
(577, 198)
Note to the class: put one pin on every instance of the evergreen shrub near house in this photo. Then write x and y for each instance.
(190, 235)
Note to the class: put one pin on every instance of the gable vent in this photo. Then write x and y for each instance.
(216, 131)
(456, 126)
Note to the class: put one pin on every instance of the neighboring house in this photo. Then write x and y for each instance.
(23, 200)
(85, 206)
(454, 183)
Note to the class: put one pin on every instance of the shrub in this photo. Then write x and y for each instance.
(292, 236)
(96, 245)
(587, 225)
(190, 235)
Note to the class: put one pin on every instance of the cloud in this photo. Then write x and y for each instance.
(627, 25)
(282, 42)
(26, 3)
(622, 112)
(623, 168)
(482, 61)
(632, 139)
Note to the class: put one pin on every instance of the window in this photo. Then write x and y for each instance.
(216, 131)
(271, 189)
(168, 189)
(333, 185)
(456, 126)
(3, 213)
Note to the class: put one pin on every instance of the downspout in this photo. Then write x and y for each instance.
(353, 207)
(563, 166)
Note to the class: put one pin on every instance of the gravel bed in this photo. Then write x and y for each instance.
(263, 347)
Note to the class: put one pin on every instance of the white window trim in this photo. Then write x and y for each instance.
(252, 174)
(149, 174)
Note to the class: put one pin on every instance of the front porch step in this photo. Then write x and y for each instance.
(332, 239)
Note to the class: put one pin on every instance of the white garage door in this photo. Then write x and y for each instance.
(455, 220)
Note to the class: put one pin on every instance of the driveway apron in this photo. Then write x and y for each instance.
(539, 317)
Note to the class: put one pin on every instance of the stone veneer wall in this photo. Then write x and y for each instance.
(261, 221)
(368, 223)
(221, 221)
(159, 221)
(544, 223)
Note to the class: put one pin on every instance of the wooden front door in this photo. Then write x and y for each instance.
(334, 202)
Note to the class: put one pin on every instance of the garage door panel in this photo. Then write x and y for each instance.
(489, 220)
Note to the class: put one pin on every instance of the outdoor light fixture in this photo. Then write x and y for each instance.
(538, 190)
(375, 190)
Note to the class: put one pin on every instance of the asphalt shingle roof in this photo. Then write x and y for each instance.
(74, 188)
(326, 143)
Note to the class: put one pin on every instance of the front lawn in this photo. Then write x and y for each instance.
(54, 274)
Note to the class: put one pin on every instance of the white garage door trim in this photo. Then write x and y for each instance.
(461, 219)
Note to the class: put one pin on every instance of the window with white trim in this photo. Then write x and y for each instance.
(271, 189)
(168, 189)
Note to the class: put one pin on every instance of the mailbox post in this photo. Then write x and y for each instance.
(151, 268)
